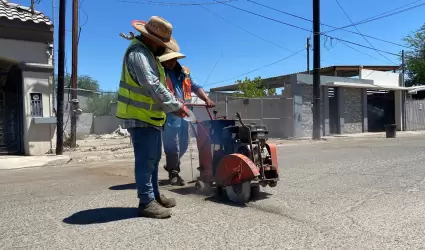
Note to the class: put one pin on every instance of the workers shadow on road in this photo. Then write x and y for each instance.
(129, 186)
(132, 186)
(217, 197)
(222, 199)
(101, 215)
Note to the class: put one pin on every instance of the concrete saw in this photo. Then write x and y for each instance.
(239, 193)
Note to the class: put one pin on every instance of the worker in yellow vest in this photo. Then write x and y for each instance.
(143, 101)
(176, 130)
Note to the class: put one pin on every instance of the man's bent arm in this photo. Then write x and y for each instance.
(198, 90)
(141, 61)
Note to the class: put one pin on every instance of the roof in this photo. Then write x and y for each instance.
(351, 70)
(13, 11)
(338, 70)
(364, 86)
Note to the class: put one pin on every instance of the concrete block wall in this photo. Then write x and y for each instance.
(351, 100)
(105, 124)
(303, 111)
(287, 109)
(350, 110)
(84, 124)
(269, 111)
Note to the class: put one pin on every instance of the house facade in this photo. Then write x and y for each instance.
(354, 99)
(27, 124)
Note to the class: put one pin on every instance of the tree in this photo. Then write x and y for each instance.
(84, 82)
(253, 88)
(100, 105)
(415, 58)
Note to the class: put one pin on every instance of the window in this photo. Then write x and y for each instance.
(36, 105)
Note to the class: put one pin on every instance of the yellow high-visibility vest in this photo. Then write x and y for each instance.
(134, 101)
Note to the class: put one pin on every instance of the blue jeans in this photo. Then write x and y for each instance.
(176, 142)
(147, 146)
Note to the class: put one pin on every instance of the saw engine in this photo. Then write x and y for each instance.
(236, 158)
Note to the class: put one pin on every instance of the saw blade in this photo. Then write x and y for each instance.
(239, 193)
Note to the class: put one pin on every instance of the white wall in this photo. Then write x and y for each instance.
(388, 79)
(38, 137)
(23, 51)
(381, 78)
(398, 111)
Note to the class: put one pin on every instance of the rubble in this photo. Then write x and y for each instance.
(122, 132)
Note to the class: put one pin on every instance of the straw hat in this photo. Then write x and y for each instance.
(170, 54)
(158, 29)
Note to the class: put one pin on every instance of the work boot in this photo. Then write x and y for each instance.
(153, 210)
(175, 179)
(166, 202)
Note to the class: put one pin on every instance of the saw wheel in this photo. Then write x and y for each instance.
(239, 193)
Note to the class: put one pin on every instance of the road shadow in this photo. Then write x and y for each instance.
(186, 190)
(129, 186)
(164, 182)
(101, 215)
(221, 198)
(132, 186)
(218, 197)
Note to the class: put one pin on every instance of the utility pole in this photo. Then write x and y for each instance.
(61, 77)
(403, 97)
(308, 55)
(53, 57)
(403, 69)
(74, 73)
(32, 6)
(316, 70)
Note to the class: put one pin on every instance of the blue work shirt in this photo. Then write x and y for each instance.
(177, 80)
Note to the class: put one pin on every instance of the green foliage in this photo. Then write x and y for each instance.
(100, 105)
(84, 82)
(415, 58)
(253, 88)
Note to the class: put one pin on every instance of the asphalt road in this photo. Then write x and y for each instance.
(343, 194)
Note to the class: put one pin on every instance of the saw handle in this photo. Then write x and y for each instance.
(200, 105)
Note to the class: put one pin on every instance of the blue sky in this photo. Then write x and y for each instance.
(207, 40)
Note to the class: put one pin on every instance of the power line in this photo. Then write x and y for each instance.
(215, 65)
(257, 69)
(389, 11)
(346, 14)
(301, 28)
(147, 2)
(377, 17)
(361, 52)
(330, 26)
(266, 17)
(253, 34)
(245, 30)
(81, 9)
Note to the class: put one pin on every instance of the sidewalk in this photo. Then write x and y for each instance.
(376, 135)
(16, 162)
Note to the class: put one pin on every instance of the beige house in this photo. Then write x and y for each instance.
(27, 125)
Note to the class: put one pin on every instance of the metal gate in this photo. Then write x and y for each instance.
(380, 109)
(11, 112)
(415, 112)
(334, 127)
